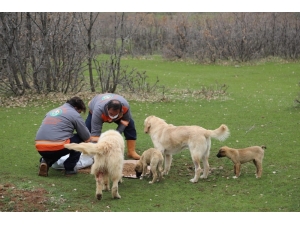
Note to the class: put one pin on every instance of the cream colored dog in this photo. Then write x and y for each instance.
(155, 159)
(108, 160)
(170, 139)
(240, 156)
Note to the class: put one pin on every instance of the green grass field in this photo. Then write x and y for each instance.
(258, 108)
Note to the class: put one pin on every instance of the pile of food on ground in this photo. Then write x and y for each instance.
(128, 169)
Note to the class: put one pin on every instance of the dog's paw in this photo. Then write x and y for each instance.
(99, 196)
(150, 182)
(117, 196)
(234, 177)
(203, 177)
(193, 180)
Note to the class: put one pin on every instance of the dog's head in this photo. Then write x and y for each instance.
(138, 169)
(222, 152)
(147, 124)
(152, 122)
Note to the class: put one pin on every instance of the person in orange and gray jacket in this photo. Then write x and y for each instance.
(57, 129)
(110, 108)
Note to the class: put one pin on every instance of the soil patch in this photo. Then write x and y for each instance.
(18, 200)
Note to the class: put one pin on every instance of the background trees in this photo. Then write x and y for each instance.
(50, 52)
(44, 49)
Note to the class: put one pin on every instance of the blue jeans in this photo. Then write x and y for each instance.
(129, 131)
(52, 156)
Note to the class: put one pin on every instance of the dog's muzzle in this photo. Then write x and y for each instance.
(138, 174)
(219, 155)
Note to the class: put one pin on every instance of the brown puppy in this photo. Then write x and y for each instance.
(240, 156)
(155, 159)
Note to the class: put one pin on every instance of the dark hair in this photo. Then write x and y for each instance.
(114, 104)
(77, 103)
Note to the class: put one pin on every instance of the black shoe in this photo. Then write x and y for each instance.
(71, 172)
(43, 169)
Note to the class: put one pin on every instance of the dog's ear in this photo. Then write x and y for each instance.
(221, 152)
(138, 166)
(138, 170)
(224, 149)
(147, 126)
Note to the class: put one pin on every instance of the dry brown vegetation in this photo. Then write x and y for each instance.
(47, 52)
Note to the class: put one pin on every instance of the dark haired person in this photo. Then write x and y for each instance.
(57, 129)
(110, 108)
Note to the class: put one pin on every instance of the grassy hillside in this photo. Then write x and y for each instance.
(258, 108)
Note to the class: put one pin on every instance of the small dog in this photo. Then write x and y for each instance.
(155, 159)
(108, 155)
(240, 156)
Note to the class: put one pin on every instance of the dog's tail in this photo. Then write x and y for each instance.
(221, 133)
(90, 148)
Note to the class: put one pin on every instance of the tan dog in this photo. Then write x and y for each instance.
(240, 156)
(155, 159)
(170, 139)
(108, 160)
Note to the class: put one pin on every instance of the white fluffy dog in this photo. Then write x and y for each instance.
(108, 160)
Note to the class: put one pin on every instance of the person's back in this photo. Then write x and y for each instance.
(59, 124)
(57, 129)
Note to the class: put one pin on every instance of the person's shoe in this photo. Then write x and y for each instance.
(43, 169)
(131, 153)
(71, 172)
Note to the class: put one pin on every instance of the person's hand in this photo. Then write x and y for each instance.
(94, 139)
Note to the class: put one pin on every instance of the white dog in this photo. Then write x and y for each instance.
(170, 139)
(108, 160)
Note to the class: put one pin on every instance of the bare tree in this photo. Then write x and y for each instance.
(41, 51)
(50, 52)
(177, 43)
(88, 25)
(231, 36)
(109, 71)
(12, 61)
